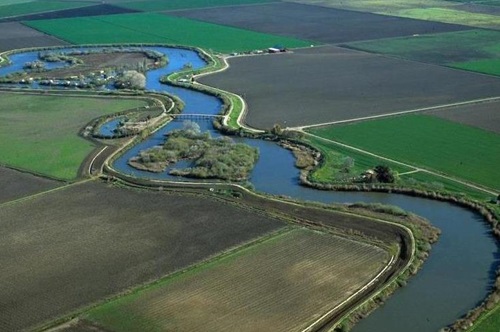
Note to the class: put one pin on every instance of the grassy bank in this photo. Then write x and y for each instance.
(444, 146)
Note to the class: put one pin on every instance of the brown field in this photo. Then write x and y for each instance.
(484, 115)
(325, 25)
(74, 246)
(282, 284)
(15, 35)
(15, 184)
(325, 84)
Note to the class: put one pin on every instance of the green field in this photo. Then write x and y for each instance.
(284, 282)
(474, 50)
(488, 66)
(40, 133)
(444, 146)
(158, 28)
(162, 5)
(453, 16)
(334, 156)
(431, 10)
(489, 322)
(34, 7)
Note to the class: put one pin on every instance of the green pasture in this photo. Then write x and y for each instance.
(40, 133)
(333, 159)
(158, 28)
(444, 146)
(162, 5)
(34, 7)
(474, 50)
(430, 10)
(441, 48)
(452, 16)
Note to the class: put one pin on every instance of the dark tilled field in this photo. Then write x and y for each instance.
(15, 184)
(485, 115)
(78, 245)
(326, 84)
(15, 35)
(326, 25)
(75, 12)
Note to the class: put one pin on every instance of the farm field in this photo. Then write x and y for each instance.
(324, 84)
(284, 283)
(15, 35)
(99, 240)
(473, 50)
(37, 7)
(39, 133)
(434, 10)
(17, 184)
(144, 28)
(484, 115)
(457, 150)
(326, 25)
(488, 323)
(160, 5)
(89, 10)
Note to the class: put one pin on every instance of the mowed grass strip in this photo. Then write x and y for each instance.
(39, 7)
(162, 5)
(281, 284)
(444, 146)
(39, 133)
(158, 28)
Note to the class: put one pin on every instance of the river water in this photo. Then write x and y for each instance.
(459, 272)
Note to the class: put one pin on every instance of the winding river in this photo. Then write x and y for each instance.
(459, 272)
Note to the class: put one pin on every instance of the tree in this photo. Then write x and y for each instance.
(347, 164)
(131, 79)
(384, 174)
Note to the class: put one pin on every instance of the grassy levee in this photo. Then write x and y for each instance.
(158, 28)
(39, 7)
(160, 5)
(473, 50)
(457, 150)
(40, 132)
(241, 289)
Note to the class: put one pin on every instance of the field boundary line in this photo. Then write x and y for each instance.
(312, 327)
(416, 169)
(93, 160)
(385, 115)
(26, 198)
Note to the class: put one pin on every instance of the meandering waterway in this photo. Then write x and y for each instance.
(459, 272)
